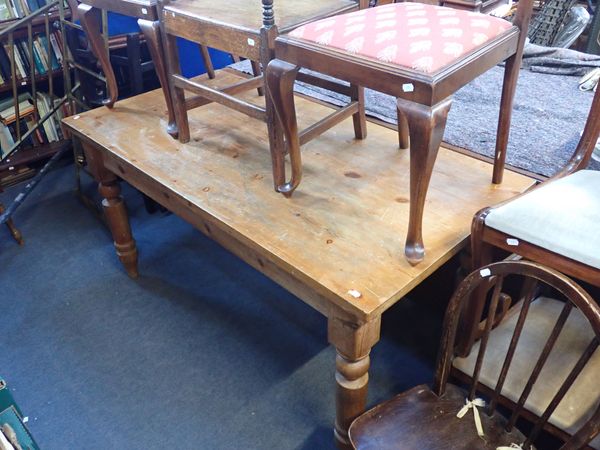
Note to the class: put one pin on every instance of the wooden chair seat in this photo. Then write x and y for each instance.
(582, 399)
(246, 15)
(545, 217)
(416, 36)
(419, 419)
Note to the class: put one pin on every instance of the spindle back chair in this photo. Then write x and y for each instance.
(427, 418)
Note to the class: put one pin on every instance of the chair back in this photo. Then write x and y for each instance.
(532, 277)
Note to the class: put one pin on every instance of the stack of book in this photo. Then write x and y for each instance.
(42, 59)
(29, 116)
(17, 9)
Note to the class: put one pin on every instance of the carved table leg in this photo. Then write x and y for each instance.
(118, 222)
(151, 31)
(353, 344)
(426, 128)
(359, 119)
(91, 23)
(403, 133)
(15, 233)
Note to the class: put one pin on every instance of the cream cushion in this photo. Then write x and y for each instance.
(584, 396)
(561, 216)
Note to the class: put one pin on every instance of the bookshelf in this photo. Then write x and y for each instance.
(31, 85)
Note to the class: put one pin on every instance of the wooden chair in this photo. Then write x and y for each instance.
(420, 54)
(14, 232)
(442, 417)
(240, 28)
(554, 223)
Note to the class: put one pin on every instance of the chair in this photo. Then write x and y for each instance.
(14, 232)
(445, 416)
(554, 223)
(238, 27)
(420, 54)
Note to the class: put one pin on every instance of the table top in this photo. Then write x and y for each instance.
(340, 237)
(247, 14)
(142, 9)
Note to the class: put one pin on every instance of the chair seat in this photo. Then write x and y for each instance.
(421, 37)
(246, 15)
(561, 216)
(583, 397)
(418, 419)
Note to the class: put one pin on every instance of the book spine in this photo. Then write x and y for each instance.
(38, 57)
(56, 48)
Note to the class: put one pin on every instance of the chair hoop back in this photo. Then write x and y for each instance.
(533, 274)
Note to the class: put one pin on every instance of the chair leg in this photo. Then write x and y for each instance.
(91, 24)
(210, 70)
(403, 132)
(359, 119)
(256, 72)
(481, 255)
(151, 32)
(15, 233)
(426, 126)
(280, 78)
(509, 86)
(177, 93)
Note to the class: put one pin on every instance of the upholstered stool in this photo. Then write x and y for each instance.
(420, 54)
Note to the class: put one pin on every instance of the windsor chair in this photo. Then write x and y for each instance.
(442, 416)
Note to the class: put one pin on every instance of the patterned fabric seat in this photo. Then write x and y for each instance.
(414, 35)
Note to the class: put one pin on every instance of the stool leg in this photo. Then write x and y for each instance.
(15, 233)
(359, 119)
(91, 24)
(511, 75)
(426, 126)
(151, 32)
(280, 78)
(403, 132)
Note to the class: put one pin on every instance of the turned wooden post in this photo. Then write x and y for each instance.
(118, 222)
(15, 233)
(114, 209)
(353, 344)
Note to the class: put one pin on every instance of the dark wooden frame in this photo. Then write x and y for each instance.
(423, 103)
(89, 13)
(484, 239)
(496, 274)
(235, 40)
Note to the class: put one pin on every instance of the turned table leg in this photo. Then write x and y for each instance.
(151, 30)
(91, 23)
(353, 344)
(426, 129)
(114, 209)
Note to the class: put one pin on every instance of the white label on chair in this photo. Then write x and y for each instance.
(144, 11)
(251, 42)
(408, 87)
(512, 242)
(485, 272)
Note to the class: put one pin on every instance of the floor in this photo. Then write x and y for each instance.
(201, 351)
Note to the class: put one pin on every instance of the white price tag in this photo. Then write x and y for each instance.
(485, 272)
(251, 42)
(512, 242)
(408, 87)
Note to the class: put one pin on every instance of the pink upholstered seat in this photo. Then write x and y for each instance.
(421, 37)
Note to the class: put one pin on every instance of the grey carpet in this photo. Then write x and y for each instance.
(549, 114)
(202, 352)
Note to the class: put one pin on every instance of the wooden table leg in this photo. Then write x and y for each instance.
(151, 31)
(91, 23)
(426, 129)
(353, 344)
(15, 233)
(114, 210)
